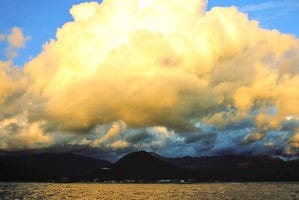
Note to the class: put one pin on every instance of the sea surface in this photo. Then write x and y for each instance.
(205, 191)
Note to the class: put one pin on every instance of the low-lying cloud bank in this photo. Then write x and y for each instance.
(157, 75)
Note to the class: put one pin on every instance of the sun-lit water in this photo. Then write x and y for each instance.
(149, 191)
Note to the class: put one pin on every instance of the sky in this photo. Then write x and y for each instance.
(106, 78)
(39, 21)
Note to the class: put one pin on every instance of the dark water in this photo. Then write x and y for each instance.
(149, 191)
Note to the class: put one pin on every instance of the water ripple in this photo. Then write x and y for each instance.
(204, 191)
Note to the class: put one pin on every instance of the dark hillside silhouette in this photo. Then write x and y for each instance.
(146, 166)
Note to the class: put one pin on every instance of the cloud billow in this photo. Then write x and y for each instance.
(160, 76)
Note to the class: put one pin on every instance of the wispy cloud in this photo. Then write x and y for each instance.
(271, 5)
(262, 6)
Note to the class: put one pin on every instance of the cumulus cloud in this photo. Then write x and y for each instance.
(12, 87)
(162, 76)
(15, 40)
(253, 137)
(16, 133)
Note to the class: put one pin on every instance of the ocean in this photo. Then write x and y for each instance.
(204, 191)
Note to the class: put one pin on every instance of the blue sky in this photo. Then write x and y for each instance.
(277, 14)
(40, 19)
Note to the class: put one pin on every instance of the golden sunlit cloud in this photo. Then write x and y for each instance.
(137, 65)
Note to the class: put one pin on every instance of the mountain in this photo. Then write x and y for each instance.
(238, 168)
(48, 166)
(151, 166)
(146, 166)
(223, 162)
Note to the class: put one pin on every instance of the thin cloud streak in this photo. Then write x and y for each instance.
(262, 6)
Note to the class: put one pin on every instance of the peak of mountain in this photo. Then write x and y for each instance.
(144, 165)
(140, 158)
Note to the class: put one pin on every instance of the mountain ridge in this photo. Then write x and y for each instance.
(146, 166)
